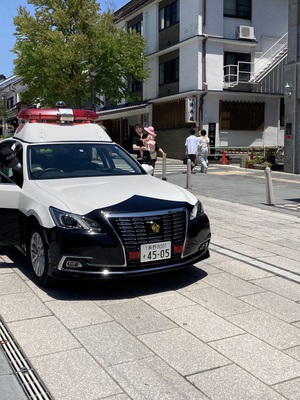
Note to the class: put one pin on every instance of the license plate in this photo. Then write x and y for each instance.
(155, 251)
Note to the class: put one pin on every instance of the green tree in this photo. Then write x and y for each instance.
(69, 50)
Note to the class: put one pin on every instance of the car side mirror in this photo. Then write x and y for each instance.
(148, 168)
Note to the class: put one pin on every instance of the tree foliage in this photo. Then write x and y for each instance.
(69, 50)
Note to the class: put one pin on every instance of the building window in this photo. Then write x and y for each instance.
(169, 15)
(137, 27)
(169, 71)
(136, 86)
(10, 103)
(237, 67)
(242, 116)
(237, 8)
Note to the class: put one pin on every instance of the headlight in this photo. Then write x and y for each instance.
(197, 210)
(67, 220)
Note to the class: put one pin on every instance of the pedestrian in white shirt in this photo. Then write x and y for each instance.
(191, 148)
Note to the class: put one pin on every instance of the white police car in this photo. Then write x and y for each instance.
(84, 207)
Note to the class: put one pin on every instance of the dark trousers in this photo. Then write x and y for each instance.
(192, 157)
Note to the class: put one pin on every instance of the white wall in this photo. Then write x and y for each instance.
(190, 67)
(150, 27)
(190, 22)
(214, 65)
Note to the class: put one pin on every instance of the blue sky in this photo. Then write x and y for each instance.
(7, 29)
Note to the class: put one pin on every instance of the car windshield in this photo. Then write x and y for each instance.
(75, 160)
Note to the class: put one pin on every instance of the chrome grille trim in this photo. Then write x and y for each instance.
(134, 229)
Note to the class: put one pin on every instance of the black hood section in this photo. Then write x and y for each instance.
(136, 204)
(141, 204)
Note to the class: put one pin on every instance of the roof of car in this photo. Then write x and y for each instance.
(45, 132)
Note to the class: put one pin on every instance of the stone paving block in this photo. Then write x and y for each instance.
(138, 317)
(219, 302)
(74, 375)
(268, 328)
(11, 283)
(208, 268)
(224, 231)
(271, 247)
(189, 278)
(111, 344)
(183, 351)
(294, 352)
(5, 368)
(284, 262)
(42, 336)
(10, 388)
(243, 270)
(118, 397)
(75, 314)
(281, 286)
(232, 284)
(289, 244)
(276, 305)
(248, 250)
(5, 270)
(291, 389)
(167, 301)
(232, 383)
(42, 293)
(258, 358)
(203, 323)
(152, 379)
(21, 306)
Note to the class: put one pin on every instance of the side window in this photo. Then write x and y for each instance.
(11, 160)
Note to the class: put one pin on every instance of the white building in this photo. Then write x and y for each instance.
(215, 64)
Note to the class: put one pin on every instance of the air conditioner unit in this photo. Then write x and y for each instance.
(246, 32)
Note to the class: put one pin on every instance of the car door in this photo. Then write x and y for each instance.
(9, 210)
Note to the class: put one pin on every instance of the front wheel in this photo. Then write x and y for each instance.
(37, 254)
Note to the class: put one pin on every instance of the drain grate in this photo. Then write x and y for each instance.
(27, 377)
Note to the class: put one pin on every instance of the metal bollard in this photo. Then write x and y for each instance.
(164, 168)
(269, 188)
(188, 174)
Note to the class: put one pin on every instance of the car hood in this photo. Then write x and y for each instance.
(120, 193)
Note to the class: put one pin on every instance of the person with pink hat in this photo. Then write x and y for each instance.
(152, 145)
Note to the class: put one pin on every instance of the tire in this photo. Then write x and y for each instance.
(38, 258)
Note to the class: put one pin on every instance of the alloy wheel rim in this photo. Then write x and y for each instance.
(37, 254)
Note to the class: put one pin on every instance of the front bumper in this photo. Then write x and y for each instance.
(115, 252)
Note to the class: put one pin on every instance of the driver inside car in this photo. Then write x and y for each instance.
(9, 159)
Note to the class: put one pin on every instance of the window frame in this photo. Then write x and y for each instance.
(169, 15)
(238, 9)
(170, 69)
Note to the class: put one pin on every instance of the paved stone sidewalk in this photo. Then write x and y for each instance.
(223, 329)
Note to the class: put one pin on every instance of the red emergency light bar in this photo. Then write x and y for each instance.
(56, 114)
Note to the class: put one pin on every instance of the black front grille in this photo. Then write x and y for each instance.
(136, 230)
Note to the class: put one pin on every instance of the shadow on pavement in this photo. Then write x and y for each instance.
(108, 289)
